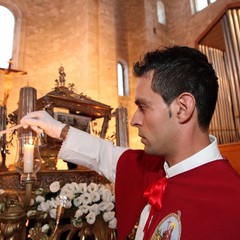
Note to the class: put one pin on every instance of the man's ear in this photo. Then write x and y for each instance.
(185, 104)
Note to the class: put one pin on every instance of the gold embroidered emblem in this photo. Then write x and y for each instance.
(169, 228)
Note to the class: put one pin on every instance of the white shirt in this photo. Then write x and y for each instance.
(102, 156)
(93, 152)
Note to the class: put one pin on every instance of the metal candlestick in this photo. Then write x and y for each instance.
(3, 121)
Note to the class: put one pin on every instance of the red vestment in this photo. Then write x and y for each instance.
(208, 197)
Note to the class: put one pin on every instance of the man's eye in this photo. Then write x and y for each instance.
(141, 108)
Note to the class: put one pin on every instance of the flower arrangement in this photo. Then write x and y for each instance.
(86, 202)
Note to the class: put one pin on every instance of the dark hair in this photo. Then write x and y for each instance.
(181, 69)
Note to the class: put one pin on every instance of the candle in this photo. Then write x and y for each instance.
(28, 158)
(3, 123)
(27, 103)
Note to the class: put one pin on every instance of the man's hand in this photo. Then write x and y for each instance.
(41, 121)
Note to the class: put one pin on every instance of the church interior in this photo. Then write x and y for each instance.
(77, 56)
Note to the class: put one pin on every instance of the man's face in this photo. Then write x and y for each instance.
(153, 119)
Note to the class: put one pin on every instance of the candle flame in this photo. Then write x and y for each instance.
(30, 141)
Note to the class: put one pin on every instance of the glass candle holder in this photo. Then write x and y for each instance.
(28, 160)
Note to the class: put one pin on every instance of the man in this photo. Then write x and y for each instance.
(179, 187)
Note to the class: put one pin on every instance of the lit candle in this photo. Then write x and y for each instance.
(28, 158)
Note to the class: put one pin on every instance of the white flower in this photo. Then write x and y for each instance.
(92, 187)
(78, 213)
(82, 187)
(86, 198)
(76, 188)
(39, 199)
(45, 228)
(90, 201)
(101, 189)
(84, 208)
(110, 206)
(94, 208)
(69, 186)
(68, 191)
(91, 218)
(95, 196)
(77, 201)
(107, 216)
(112, 223)
(106, 206)
(43, 206)
(53, 212)
(54, 187)
(107, 196)
(102, 206)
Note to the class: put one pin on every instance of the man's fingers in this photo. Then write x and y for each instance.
(37, 129)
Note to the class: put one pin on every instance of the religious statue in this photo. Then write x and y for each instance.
(61, 80)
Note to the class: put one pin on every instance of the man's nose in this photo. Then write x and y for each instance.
(135, 121)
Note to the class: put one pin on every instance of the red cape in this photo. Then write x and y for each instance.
(135, 171)
(208, 197)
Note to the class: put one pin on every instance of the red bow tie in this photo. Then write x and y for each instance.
(154, 193)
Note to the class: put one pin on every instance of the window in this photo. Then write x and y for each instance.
(198, 5)
(7, 24)
(122, 78)
(161, 12)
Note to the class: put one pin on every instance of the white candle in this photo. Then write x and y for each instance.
(28, 158)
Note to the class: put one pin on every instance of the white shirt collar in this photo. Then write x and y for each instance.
(206, 155)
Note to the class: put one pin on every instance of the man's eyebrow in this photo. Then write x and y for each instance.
(140, 101)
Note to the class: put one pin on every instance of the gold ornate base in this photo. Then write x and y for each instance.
(97, 231)
(13, 209)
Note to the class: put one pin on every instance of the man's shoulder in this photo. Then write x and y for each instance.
(141, 158)
(141, 155)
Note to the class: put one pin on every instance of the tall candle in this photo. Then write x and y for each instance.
(3, 123)
(28, 158)
(27, 103)
(3, 120)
